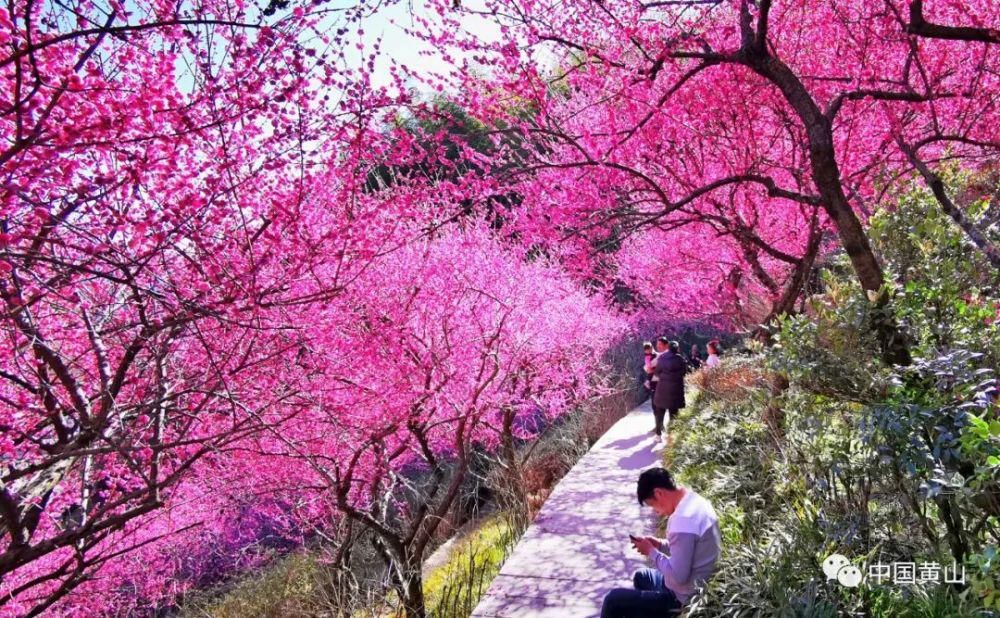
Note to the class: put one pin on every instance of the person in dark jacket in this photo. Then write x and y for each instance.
(694, 359)
(669, 370)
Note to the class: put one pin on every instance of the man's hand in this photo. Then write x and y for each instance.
(645, 545)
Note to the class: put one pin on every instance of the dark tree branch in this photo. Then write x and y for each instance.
(760, 45)
(581, 48)
(879, 95)
(949, 207)
(921, 27)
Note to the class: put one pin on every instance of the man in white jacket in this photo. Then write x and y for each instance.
(686, 560)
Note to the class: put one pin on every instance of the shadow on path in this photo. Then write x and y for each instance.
(577, 548)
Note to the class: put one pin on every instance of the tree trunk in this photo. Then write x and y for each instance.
(412, 589)
(797, 282)
(514, 493)
(773, 415)
(826, 177)
(949, 514)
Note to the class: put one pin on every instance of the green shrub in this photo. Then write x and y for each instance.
(879, 463)
(785, 505)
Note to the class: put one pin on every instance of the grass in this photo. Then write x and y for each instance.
(453, 590)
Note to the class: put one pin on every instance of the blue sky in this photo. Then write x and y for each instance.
(390, 23)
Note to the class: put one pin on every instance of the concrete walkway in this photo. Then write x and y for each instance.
(578, 547)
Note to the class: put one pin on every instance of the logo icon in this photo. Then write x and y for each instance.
(849, 576)
(833, 563)
(838, 567)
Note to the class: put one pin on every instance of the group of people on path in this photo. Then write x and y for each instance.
(687, 558)
(665, 368)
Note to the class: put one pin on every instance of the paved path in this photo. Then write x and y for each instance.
(578, 548)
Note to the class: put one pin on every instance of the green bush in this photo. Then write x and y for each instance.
(784, 506)
(879, 463)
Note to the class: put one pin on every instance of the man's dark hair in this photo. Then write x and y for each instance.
(674, 346)
(650, 480)
(663, 340)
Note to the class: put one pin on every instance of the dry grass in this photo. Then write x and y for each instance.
(734, 380)
(292, 587)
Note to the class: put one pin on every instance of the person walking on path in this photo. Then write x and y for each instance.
(648, 358)
(686, 560)
(713, 354)
(654, 379)
(669, 395)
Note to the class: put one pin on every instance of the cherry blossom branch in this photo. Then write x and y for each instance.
(118, 30)
(921, 27)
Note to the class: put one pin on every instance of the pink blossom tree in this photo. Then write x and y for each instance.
(656, 112)
(201, 274)
(413, 372)
(170, 189)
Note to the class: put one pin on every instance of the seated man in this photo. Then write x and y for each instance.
(686, 560)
